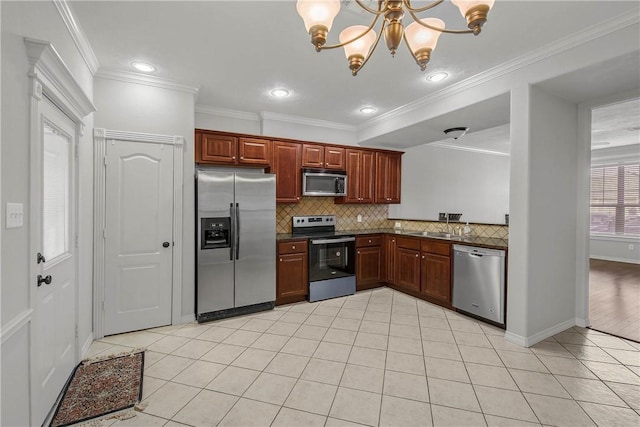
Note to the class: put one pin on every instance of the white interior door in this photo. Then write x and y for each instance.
(138, 236)
(54, 299)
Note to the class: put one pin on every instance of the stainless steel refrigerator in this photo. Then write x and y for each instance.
(235, 243)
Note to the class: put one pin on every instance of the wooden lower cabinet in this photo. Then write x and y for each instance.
(369, 262)
(408, 268)
(435, 276)
(292, 277)
(390, 259)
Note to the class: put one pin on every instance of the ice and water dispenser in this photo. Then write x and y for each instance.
(215, 233)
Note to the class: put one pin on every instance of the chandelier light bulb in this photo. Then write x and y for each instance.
(475, 12)
(318, 12)
(357, 50)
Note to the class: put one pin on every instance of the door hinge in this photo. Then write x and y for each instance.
(104, 233)
(76, 331)
(76, 240)
(105, 160)
(102, 303)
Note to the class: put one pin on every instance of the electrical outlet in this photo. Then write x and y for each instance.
(15, 215)
(359, 218)
(631, 246)
(398, 224)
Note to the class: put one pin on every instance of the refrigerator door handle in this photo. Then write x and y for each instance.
(237, 231)
(232, 231)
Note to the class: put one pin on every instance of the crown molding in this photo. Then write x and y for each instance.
(471, 149)
(226, 112)
(77, 34)
(144, 79)
(537, 55)
(265, 115)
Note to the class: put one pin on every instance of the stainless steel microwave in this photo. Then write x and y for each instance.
(324, 183)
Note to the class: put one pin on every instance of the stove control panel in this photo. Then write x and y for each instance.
(309, 221)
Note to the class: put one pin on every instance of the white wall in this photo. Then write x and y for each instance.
(438, 179)
(249, 124)
(38, 20)
(136, 107)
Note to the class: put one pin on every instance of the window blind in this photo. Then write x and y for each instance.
(615, 199)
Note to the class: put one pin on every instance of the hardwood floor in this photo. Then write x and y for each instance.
(614, 298)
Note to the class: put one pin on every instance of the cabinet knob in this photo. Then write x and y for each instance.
(358, 252)
(416, 255)
(422, 256)
(293, 247)
(241, 158)
(298, 197)
(280, 259)
(369, 240)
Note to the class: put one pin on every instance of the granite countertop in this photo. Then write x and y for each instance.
(484, 242)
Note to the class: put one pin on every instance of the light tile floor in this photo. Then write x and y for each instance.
(377, 358)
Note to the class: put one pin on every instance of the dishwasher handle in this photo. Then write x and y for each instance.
(477, 252)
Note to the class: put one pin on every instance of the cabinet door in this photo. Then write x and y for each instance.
(312, 156)
(253, 151)
(436, 276)
(286, 166)
(367, 177)
(390, 260)
(292, 277)
(368, 266)
(353, 176)
(218, 149)
(387, 178)
(408, 268)
(334, 158)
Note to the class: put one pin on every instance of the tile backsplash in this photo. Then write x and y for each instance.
(373, 217)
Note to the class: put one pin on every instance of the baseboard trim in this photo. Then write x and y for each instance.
(583, 323)
(539, 336)
(188, 318)
(85, 347)
(616, 259)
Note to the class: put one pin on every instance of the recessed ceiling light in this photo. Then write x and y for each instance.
(437, 77)
(143, 66)
(279, 93)
(368, 110)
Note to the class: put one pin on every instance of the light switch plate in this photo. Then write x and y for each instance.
(359, 218)
(15, 215)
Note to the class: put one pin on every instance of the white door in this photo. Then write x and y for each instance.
(54, 299)
(138, 236)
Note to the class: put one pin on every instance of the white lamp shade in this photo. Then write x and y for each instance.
(360, 46)
(465, 5)
(318, 12)
(420, 37)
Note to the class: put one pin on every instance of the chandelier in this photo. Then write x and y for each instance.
(359, 41)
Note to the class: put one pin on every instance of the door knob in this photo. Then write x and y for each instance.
(46, 280)
(165, 245)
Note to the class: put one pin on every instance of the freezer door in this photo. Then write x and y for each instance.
(256, 245)
(215, 273)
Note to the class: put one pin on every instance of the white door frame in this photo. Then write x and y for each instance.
(50, 77)
(101, 138)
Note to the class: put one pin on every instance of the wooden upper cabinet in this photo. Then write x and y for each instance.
(322, 157)
(360, 176)
(213, 148)
(388, 177)
(286, 165)
(224, 149)
(253, 151)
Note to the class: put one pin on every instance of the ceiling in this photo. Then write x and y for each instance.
(237, 51)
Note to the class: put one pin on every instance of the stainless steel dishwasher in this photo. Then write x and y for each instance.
(479, 282)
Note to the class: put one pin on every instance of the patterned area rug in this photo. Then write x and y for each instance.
(101, 387)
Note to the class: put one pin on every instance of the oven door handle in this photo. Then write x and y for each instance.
(325, 241)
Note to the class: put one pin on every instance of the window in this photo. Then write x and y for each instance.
(615, 199)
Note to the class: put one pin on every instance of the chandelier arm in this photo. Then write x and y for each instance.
(406, 42)
(333, 46)
(441, 30)
(372, 11)
(373, 47)
(407, 4)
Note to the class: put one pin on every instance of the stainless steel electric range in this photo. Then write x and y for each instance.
(331, 257)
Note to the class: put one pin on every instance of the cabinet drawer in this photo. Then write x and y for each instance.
(364, 241)
(292, 247)
(409, 243)
(438, 248)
